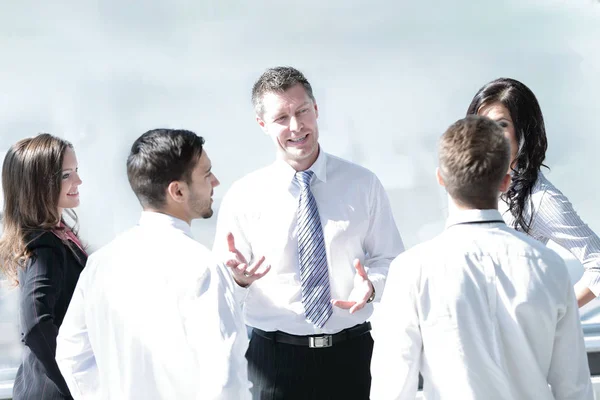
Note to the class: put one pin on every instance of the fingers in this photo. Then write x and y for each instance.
(255, 266)
(343, 304)
(238, 268)
(360, 270)
(254, 272)
(231, 242)
(360, 304)
(244, 275)
(239, 257)
(357, 307)
(352, 306)
(232, 263)
(260, 274)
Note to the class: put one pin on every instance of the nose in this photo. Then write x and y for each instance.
(295, 124)
(78, 181)
(215, 182)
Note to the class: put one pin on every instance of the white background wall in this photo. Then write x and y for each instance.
(389, 77)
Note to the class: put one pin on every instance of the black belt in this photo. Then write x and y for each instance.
(315, 341)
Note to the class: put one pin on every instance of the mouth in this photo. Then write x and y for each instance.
(73, 194)
(299, 140)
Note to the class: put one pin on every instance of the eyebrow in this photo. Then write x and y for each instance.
(282, 113)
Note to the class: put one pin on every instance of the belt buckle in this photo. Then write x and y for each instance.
(318, 342)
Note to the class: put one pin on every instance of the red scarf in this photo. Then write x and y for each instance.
(64, 233)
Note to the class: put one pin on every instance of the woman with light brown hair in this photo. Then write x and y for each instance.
(41, 253)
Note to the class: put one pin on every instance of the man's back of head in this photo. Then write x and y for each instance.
(473, 159)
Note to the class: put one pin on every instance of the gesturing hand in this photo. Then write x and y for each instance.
(362, 291)
(243, 274)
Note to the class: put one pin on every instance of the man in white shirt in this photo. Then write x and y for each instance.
(154, 314)
(326, 230)
(483, 311)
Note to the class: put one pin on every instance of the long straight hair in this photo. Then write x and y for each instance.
(530, 133)
(31, 182)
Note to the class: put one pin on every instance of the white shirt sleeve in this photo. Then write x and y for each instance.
(213, 326)
(569, 375)
(398, 345)
(74, 353)
(557, 220)
(382, 242)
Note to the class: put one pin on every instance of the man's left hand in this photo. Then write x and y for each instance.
(363, 289)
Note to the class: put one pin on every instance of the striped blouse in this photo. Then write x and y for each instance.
(555, 219)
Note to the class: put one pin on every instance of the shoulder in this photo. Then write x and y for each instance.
(551, 206)
(408, 265)
(47, 258)
(337, 165)
(44, 240)
(544, 191)
(521, 244)
(249, 181)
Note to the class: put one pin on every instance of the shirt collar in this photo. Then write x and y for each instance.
(159, 220)
(470, 216)
(285, 173)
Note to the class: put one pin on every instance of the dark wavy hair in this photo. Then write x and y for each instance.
(530, 134)
(159, 157)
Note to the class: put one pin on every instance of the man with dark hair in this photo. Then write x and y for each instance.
(483, 311)
(154, 315)
(325, 228)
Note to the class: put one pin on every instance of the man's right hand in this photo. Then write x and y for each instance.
(244, 274)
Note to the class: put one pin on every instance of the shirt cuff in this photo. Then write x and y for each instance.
(378, 282)
(240, 293)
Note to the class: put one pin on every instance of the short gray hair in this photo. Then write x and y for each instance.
(278, 79)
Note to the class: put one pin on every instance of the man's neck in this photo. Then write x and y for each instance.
(303, 165)
(171, 213)
(456, 206)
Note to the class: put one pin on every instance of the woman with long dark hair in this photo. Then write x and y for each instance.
(41, 254)
(535, 206)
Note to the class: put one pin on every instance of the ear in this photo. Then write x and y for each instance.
(438, 175)
(262, 124)
(505, 183)
(176, 191)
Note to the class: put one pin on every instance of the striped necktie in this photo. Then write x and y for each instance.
(314, 275)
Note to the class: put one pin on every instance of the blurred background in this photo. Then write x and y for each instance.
(389, 77)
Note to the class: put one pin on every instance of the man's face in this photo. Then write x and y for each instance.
(290, 118)
(199, 201)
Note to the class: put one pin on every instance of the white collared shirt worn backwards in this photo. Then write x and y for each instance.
(261, 211)
(154, 317)
(554, 218)
(485, 312)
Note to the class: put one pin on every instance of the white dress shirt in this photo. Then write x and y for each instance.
(154, 317)
(555, 219)
(261, 211)
(485, 312)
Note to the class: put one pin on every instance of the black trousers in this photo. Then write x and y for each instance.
(286, 371)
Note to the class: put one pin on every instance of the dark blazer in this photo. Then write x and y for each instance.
(47, 284)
